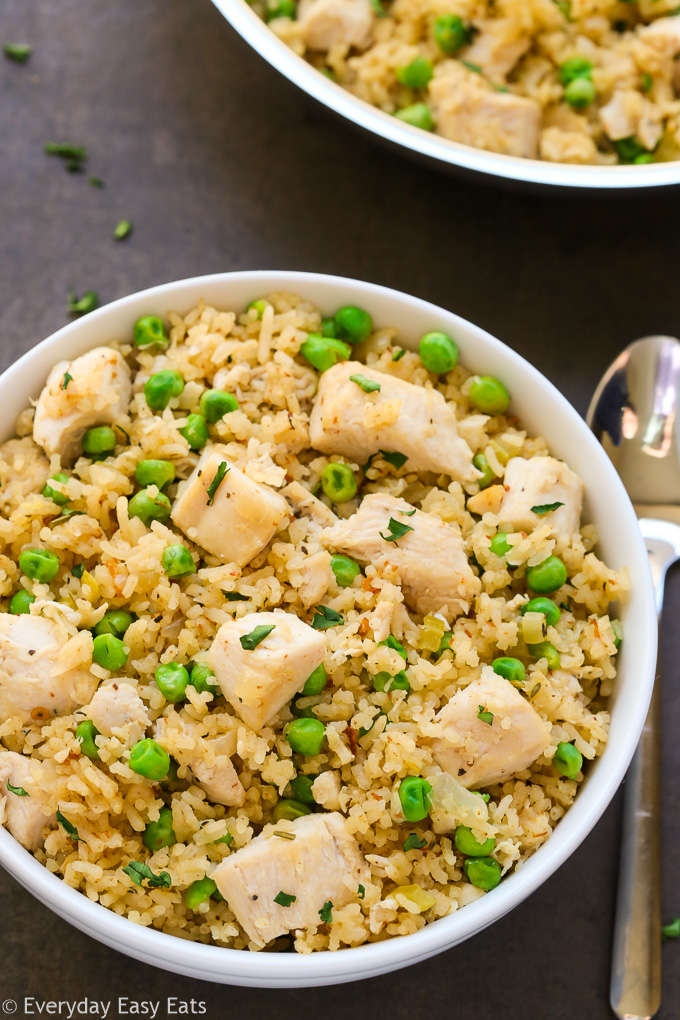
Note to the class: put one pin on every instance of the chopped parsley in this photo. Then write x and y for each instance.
(284, 899)
(367, 385)
(18, 52)
(217, 481)
(361, 892)
(65, 516)
(139, 871)
(392, 642)
(325, 617)
(77, 570)
(396, 530)
(69, 829)
(252, 640)
(18, 791)
(66, 380)
(128, 441)
(564, 6)
(234, 596)
(647, 82)
(96, 182)
(545, 508)
(378, 8)
(398, 353)
(227, 838)
(123, 230)
(534, 690)
(326, 912)
(81, 306)
(485, 716)
(472, 67)
(283, 835)
(397, 460)
(672, 930)
(414, 842)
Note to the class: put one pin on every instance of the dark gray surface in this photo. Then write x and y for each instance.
(221, 164)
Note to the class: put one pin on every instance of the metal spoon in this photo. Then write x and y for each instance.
(634, 415)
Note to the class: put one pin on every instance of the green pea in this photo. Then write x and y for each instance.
(198, 892)
(258, 307)
(171, 777)
(568, 760)
(450, 33)
(580, 93)
(149, 508)
(338, 482)
(328, 326)
(99, 442)
(315, 682)
(116, 621)
(577, 67)
(629, 150)
(322, 352)
(466, 843)
(383, 681)
(203, 679)
(108, 651)
(548, 576)
(353, 324)
(54, 494)
(345, 569)
(306, 736)
(489, 395)
(154, 472)
(177, 561)
(149, 331)
(417, 74)
(499, 544)
(161, 833)
(39, 564)
(512, 669)
(644, 157)
(438, 352)
(280, 9)
(86, 731)
(196, 432)
(482, 464)
(148, 759)
(216, 403)
(290, 810)
(418, 115)
(545, 650)
(301, 789)
(547, 607)
(414, 797)
(482, 872)
(172, 680)
(21, 602)
(161, 387)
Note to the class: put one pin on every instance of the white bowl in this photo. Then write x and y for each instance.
(544, 411)
(423, 143)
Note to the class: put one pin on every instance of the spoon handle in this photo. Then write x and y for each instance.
(635, 991)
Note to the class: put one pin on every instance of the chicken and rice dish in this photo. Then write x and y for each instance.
(569, 81)
(303, 643)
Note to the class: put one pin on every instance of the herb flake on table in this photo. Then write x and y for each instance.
(123, 230)
(325, 617)
(326, 912)
(485, 716)
(81, 306)
(672, 930)
(414, 842)
(545, 508)
(396, 530)
(140, 871)
(255, 637)
(18, 791)
(74, 156)
(217, 481)
(96, 182)
(18, 52)
(68, 828)
(284, 899)
(367, 385)
(397, 460)
(66, 380)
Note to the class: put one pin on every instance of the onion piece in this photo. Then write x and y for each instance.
(450, 796)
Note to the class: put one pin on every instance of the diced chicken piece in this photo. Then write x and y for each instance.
(233, 519)
(663, 35)
(435, 574)
(498, 46)
(467, 112)
(316, 576)
(399, 418)
(35, 682)
(629, 114)
(479, 752)
(326, 23)
(559, 146)
(541, 481)
(323, 863)
(97, 393)
(27, 817)
(117, 706)
(209, 759)
(259, 681)
(307, 505)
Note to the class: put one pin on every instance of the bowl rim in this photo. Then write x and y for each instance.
(492, 164)
(325, 967)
